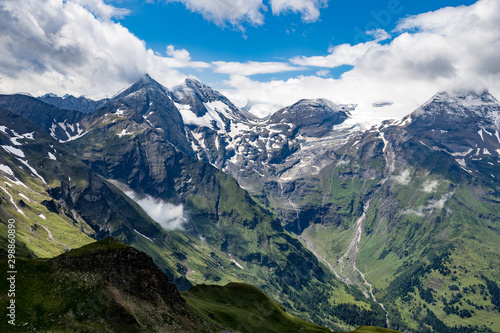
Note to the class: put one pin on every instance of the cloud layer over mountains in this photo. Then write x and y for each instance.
(76, 47)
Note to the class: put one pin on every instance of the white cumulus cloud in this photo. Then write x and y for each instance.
(73, 47)
(253, 67)
(232, 11)
(101, 9)
(182, 59)
(309, 9)
(237, 12)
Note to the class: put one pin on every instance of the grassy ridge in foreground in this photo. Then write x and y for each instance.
(246, 309)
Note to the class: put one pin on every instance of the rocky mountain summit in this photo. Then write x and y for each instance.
(70, 102)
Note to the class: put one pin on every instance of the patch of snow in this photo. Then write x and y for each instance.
(462, 153)
(42, 216)
(52, 156)
(480, 132)
(199, 138)
(277, 146)
(29, 136)
(68, 135)
(461, 161)
(24, 196)
(32, 170)
(6, 169)
(63, 126)
(13, 150)
(486, 151)
(190, 118)
(144, 236)
(146, 119)
(424, 144)
(124, 132)
(254, 143)
(217, 146)
(258, 173)
(12, 201)
(194, 146)
(53, 129)
(51, 237)
(490, 134)
(234, 261)
(74, 137)
(405, 121)
(385, 141)
(15, 181)
(3, 129)
(220, 107)
(120, 112)
(20, 136)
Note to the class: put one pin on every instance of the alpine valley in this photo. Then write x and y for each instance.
(257, 221)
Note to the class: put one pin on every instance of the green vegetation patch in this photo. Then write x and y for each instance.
(245, 308)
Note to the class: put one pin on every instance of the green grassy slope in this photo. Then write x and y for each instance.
(430, 237)
(105, 286)
(244, 308)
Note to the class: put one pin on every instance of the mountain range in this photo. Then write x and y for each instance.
(394, 226)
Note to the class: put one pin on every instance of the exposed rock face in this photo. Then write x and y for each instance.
(63, 125)
(125, 268)
(466, 126)
(312, 118)
(75, 191)
(69, 102)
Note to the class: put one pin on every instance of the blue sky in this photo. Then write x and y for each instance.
(262, 54)
(279, 38)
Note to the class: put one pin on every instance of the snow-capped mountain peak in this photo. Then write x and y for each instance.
(480, 107)
(142, 86)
